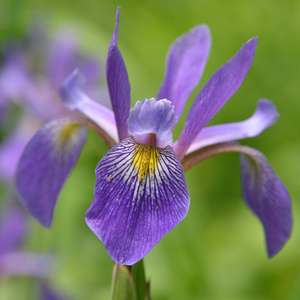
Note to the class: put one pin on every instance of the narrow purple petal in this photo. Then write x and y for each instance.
(13, 229)
(74, 98)
(186, 61)
(140, 195)
(220, 87)
(26, 264)
(118, 83)
(268, 197)
(264, 116)
(45, 164)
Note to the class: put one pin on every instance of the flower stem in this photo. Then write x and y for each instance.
(129, 282)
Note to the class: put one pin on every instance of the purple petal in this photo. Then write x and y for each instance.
(118, 83)
(45, 164)
(185, 64)
(140, 195)
(264, 116)
(220, 87)
(151, 116)
(26, 264)
(74, 98)
(268, 197)
(13, 229)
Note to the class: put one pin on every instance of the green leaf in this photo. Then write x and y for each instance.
(122, 283)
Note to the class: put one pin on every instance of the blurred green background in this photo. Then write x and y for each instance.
(218, 251)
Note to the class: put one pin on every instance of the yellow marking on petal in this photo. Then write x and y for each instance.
(68, 132)
(145, 159)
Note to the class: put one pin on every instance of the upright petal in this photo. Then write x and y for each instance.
(264, 116)
(268, 197)
(186, 61)
(13, 229)
(140, 195)
(45, 164)
(74, 98)
(118, 83)
(220, 87)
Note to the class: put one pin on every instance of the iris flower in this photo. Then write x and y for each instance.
(140, 190)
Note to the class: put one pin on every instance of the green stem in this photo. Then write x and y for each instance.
(129, 282)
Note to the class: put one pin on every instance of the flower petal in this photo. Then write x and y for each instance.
(220, 87)
(263, 190)
(118, 83)
(13, 229)
(264, 116)
(26, 264)
(268, 197)
(45, 164)
(140, 195)
(74, 98)
(186, 61)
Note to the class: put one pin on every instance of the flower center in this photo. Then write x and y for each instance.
(150, 122)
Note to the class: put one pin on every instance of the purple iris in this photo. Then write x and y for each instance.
(140, 190)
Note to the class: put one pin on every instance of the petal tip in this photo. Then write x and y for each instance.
(68, 89)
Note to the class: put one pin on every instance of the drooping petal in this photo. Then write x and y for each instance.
(186, 61)
(264, 116)
(151, 116)
(268, 197)
(13, 229)
(45, 164)
(140, 195)
(220, 87)
(263, 190)
(26, 264)
(74, 98)
(118, 83)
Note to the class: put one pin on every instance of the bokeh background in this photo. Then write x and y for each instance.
(218, 251)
